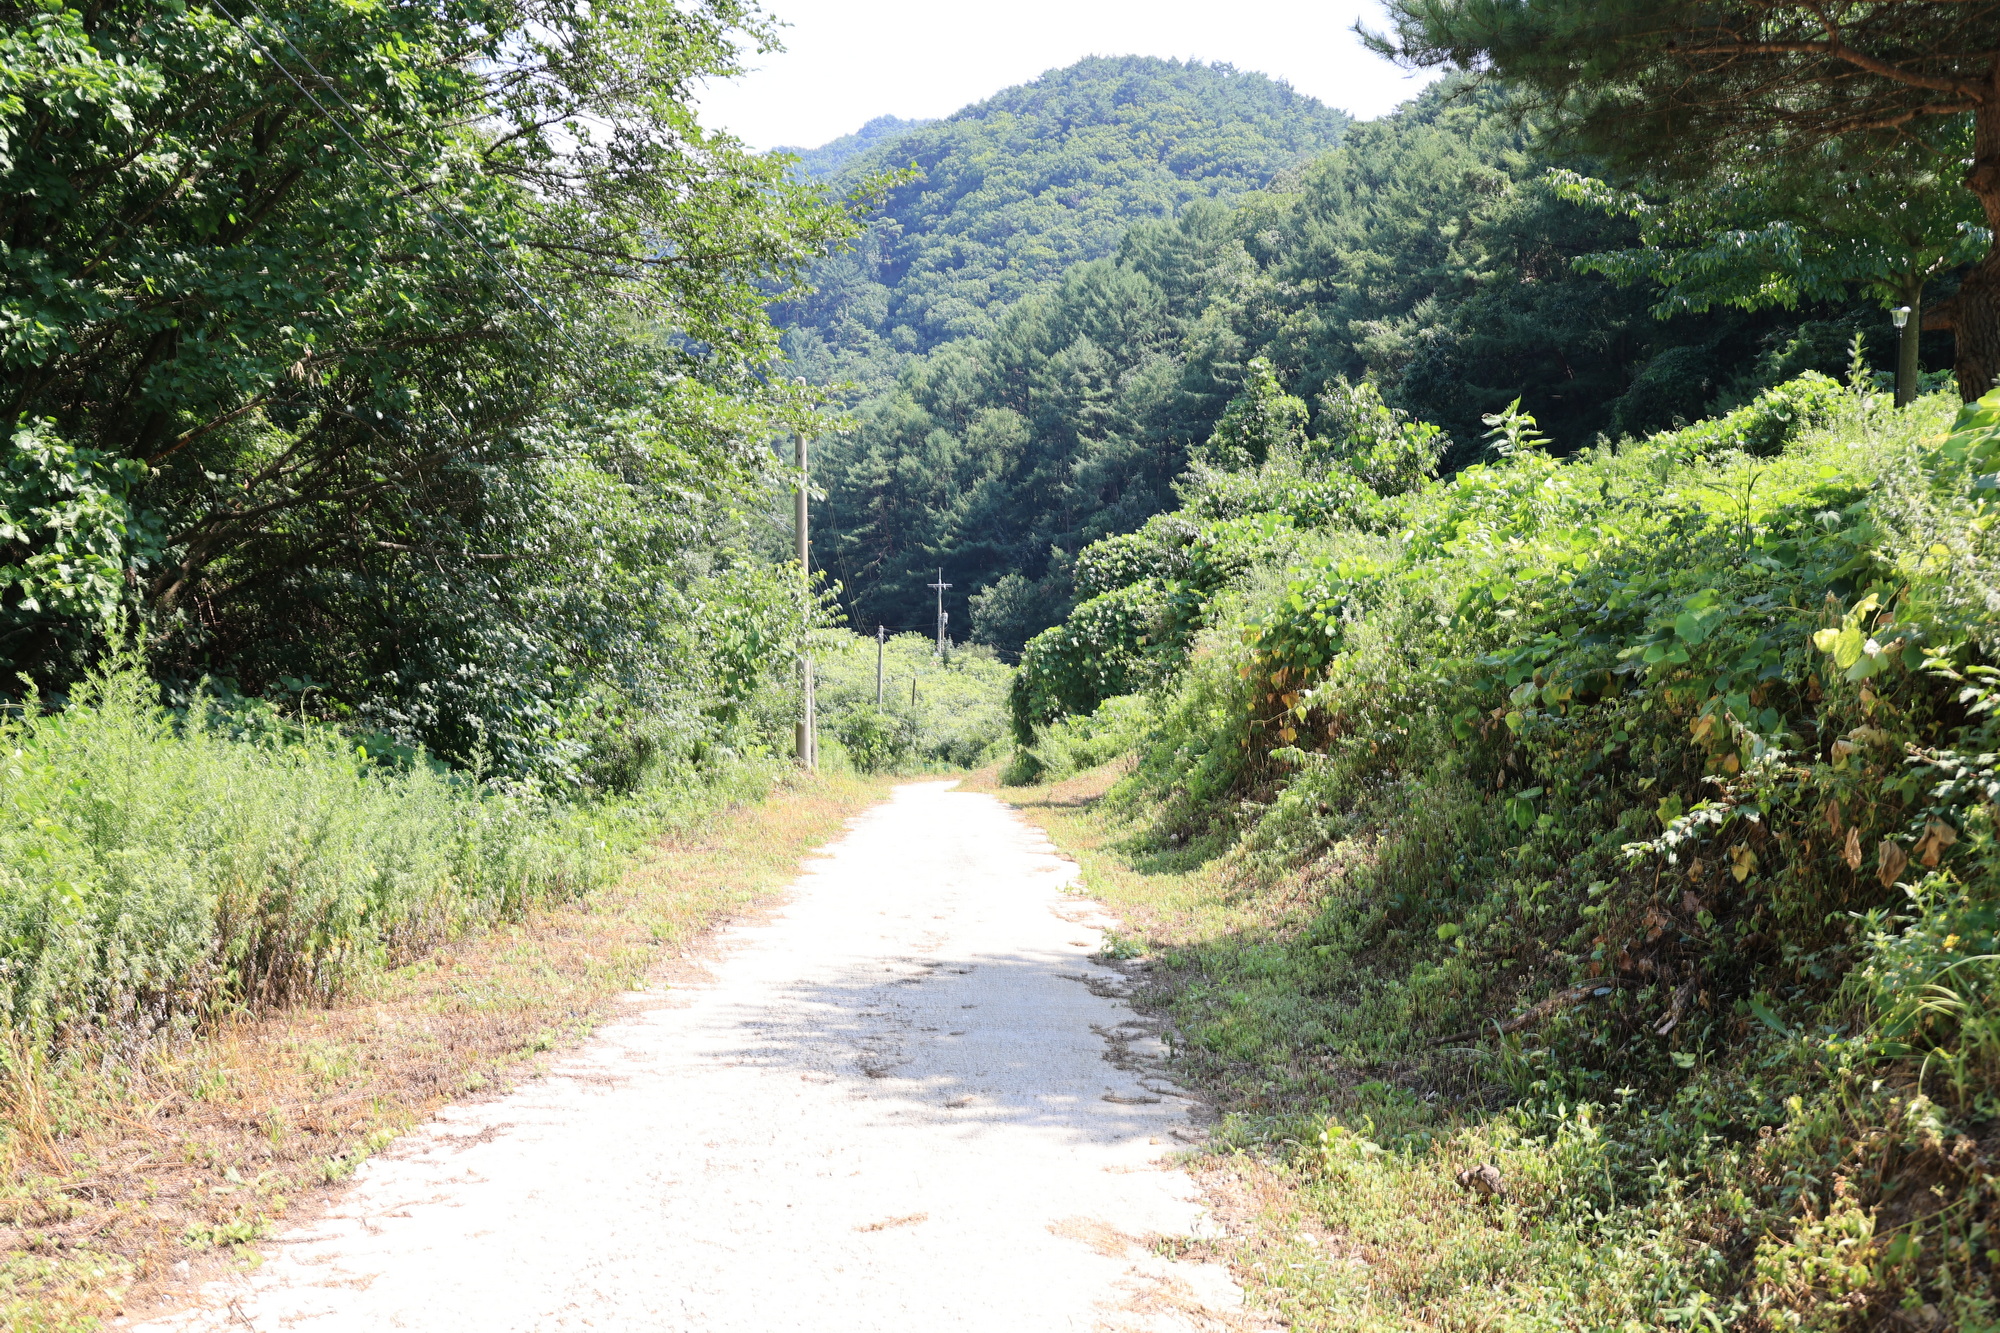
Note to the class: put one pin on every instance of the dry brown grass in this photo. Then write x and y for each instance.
(126, 1178)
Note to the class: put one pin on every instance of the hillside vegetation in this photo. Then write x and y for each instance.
(1009, 193)
(1432, 253)
(1625, 823)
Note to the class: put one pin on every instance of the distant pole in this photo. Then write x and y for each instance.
(880, 635)
(940, 585)
(808, 738)
(1909, 330)
(913, 689)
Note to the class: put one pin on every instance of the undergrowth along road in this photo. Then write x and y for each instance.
(135, 1175)
(910, 1097)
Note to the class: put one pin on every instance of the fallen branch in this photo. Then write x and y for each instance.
(1682, 994)
(1560, 1000)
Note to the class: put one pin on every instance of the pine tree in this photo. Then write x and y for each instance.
(1675, 88)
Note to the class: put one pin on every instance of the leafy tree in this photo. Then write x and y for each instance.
(411, 352)
(1672, 90)
(830, 159)
(1258, 421)
(1890, 225)
(1379, 444)
(1425, 270)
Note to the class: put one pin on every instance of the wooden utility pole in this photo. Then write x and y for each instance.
(940, 585)
(880, 636)
(808, 738)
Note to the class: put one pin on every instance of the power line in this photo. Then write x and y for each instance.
(429, 213)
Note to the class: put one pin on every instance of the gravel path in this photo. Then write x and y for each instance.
(906, 1101)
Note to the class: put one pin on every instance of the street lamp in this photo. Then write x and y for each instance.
(1906, 355)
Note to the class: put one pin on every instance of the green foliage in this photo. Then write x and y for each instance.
(1888, 222)
(1137, 631)
(159, 871)
(954, 718)
(444, 392)
(1645, 797)
(1081, 742)
(1835, 132)
(70, 534)
(1379, 444)
(1099, 652)
(1425, 270)
(1258, 422)
(1763, 426)
(1012, 192)
(831, 159)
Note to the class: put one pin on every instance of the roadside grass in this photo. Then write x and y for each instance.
(130, 1174)
(1337, 1180)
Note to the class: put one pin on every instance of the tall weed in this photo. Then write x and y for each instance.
(155, 870)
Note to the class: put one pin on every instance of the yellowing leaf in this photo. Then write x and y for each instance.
(1938, 835)
(1890, 859)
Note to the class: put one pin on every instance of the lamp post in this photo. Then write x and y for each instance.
(1906, 354)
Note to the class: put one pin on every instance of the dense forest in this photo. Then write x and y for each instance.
(832, 159)
(1435, 254)
(390, 400)
(999, 200)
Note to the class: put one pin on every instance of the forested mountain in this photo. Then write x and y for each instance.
(830, 159)
(1009, 193)
(1431, 254)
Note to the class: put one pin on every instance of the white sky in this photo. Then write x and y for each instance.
(848, 61)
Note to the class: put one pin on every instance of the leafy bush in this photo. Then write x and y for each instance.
(1077, 744)
(1646, 803)
(1100, 651)
(1764, 425)
(1379, 444)
(957, 718)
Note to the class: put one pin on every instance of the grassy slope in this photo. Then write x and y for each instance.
(1351, 898)
(120, 1164)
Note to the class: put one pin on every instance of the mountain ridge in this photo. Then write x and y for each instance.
(1014, 190)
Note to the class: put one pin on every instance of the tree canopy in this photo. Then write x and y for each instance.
(410, 355)
(1680, 90)
(1432, 255)
(1010, 193)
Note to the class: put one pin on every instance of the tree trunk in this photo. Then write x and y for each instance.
(1976, 310)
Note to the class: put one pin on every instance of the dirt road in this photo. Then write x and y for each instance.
(906, 1101)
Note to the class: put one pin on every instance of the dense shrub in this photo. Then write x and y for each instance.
(1762, 426)
(1646, 801)
(957, 718)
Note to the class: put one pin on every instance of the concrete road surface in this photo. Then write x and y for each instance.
(906, 1101)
